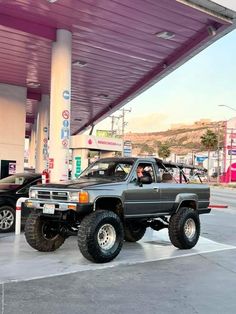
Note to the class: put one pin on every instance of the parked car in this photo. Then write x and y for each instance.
(11, 189)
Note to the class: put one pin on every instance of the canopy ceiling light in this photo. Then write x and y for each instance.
(211, 30)
(79, 63)
(103, 96)
(165, 35)
(52, 1)
(33, 84)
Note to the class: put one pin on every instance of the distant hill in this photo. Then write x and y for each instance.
(181, 141)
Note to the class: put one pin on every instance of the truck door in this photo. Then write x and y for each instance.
(142, 199)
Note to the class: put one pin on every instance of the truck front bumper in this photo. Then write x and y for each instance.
(50, 207)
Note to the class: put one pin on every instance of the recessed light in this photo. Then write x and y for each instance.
(165, 35)
(103, 96)
(52, 1)
(33, 84)
(211, 30)
(77, 119)
(79, 63)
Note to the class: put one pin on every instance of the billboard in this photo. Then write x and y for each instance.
(103, 133)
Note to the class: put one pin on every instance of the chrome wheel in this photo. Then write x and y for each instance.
(190, 228)
(6, 219)
(106, 237)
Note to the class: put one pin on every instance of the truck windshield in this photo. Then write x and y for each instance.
(106, 168)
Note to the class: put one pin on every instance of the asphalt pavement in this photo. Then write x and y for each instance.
(204, 282)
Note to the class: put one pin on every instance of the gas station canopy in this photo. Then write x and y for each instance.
(119, 47)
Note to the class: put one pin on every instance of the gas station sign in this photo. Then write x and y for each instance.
(94, 142)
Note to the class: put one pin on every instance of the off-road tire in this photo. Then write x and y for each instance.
(41, 235)
(101, 236)
(7, 219)
(134, 231)
(184, 228)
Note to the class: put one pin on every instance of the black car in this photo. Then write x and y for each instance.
(11, 189)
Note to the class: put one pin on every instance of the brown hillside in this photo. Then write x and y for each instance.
(181, 141)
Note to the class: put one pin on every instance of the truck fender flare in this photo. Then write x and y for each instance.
(186, 199)
(110, 198)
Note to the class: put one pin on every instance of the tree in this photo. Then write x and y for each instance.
(145, 148)
(209, 140)
(164, 150)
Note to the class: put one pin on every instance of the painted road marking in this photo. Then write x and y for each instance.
(21, 263)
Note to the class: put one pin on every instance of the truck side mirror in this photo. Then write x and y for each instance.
(145, 180)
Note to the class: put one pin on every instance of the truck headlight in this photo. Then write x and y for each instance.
(79, 197)
(74, 196)
(32, 194)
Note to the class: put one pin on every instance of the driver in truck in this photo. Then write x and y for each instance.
(141, 172)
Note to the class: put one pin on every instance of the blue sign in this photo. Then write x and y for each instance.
(65, 123)
(127, 151)
(65, 133)
(200, 159)
(66, 94)
(232, 152)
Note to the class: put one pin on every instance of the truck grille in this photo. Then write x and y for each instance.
(53, 195)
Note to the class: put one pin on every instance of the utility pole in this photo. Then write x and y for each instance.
(193, 157)
(113, 119)
(218, 152)
(124, 123)
(230, 160)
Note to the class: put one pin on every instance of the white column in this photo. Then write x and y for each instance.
(32, 147)
(60, 106)
(42, 135)
(12, 126)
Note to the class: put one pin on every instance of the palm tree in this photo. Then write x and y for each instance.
(164, 151)
(209, 140)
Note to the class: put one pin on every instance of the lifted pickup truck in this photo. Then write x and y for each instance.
(109, 203)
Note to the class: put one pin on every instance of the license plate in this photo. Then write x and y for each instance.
(49, 209)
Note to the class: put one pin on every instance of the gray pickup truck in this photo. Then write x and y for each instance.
(110, 203)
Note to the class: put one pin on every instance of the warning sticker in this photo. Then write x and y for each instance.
(65, 143)
(65, 114)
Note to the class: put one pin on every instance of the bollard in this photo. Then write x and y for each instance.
(18, 214)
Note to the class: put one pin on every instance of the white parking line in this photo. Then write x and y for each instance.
(21, 263)
(3, 298)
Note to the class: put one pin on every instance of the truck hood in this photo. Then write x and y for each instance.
(79, 183)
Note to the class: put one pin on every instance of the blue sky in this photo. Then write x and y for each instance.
(190, 93)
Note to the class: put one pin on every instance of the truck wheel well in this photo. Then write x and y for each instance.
(188, 203)
(110, 203)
